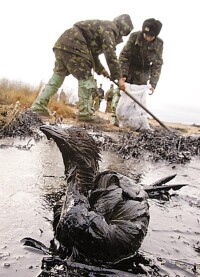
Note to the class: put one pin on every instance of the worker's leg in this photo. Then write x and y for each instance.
(115, 100)
(60, 72)
(80, 68)
(85, 89)
(40, 104)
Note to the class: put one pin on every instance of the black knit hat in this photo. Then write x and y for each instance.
(151, 27)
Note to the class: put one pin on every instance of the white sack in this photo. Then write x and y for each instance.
(103, 105)
(128, 112)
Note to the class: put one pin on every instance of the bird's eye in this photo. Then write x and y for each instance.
(79, 134)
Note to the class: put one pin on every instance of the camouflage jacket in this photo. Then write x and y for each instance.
(91, 38)
(109, 94)
(140, 60)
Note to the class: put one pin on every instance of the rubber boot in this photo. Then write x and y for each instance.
(113, 119)
(40, 104)
(85, 90)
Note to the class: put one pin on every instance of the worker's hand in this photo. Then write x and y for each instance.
(105, 73)
(121, 84)
(152, 90)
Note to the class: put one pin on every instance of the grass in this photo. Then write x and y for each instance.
(13, 91)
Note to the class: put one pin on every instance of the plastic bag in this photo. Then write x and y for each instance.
(128, 112)
(102, 107)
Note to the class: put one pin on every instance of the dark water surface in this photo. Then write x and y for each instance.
(28, 176)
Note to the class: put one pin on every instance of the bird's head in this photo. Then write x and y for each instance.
(76, 145)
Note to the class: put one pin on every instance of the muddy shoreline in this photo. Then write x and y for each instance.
(32, 173)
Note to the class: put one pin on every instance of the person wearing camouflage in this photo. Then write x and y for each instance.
(109, 97)
(141, 58)
(77, 52)
(115, 100)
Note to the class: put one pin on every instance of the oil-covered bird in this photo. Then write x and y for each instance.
(105, 215)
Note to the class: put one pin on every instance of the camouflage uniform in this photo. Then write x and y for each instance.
(115, 100)
(99, 98)
(141, 60)
(109, 97)
(77, 52)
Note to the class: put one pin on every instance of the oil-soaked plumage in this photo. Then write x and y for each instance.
(105, 216)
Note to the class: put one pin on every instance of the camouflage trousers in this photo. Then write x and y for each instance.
(115, 100)
(67, 63)
(96, 103)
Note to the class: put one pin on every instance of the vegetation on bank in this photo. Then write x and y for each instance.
(13, 91)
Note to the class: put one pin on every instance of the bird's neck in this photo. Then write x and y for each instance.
(85, 178)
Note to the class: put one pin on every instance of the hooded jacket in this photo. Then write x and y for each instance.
(91, 38)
